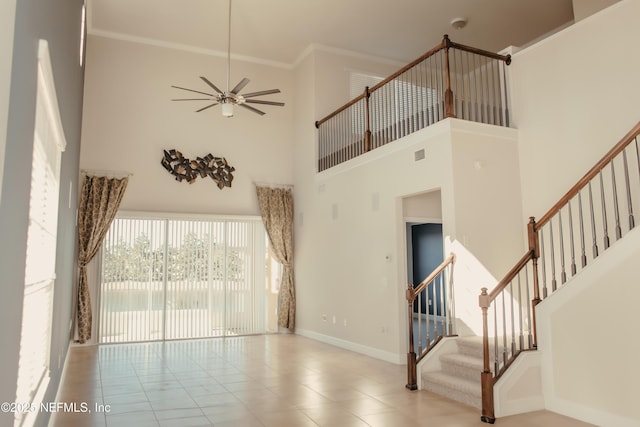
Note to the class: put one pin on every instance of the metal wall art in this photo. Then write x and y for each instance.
(182, 168)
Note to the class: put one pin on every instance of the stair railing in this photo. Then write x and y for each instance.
(450, 80)
(582, 224)
(431, 311)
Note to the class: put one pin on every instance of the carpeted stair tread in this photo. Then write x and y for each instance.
(452, 387)
(462, 365)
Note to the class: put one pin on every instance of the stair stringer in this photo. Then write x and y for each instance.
(591, 374)
(519, 389)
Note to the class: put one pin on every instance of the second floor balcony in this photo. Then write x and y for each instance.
(450, 80)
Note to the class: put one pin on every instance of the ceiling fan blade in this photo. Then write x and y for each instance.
(262, 92)
(208, 106)
(255, 110)
(258, 101)
(191, 90)
(192, 99)
(240, 86)
(211, 84)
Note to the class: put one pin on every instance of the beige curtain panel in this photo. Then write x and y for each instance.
(99, 202)
(276, 208)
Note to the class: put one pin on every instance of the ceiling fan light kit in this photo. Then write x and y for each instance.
(228, 98)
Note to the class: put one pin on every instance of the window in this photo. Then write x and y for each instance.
(176, 278)
(35, 341)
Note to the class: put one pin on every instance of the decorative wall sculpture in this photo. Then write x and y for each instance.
(182, 168)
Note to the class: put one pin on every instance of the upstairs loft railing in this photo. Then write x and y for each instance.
(578, 228)
(450, 80)
(432, 315)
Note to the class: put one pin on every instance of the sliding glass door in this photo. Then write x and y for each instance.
(176, 278)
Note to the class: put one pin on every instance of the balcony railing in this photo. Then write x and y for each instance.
(450, 80)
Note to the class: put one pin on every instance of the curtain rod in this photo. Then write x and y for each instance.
(106, 173)
(272, 185)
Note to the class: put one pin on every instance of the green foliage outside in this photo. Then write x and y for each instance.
(195, 260)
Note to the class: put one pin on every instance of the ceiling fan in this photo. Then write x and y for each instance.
(232, 97)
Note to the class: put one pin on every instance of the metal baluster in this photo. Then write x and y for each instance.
(504, 329)
(513, 320)
(441, 305)
(496, 96)
(563, 274)
(506, 96)
(604, 213)
(637, 155)
(544, 270)
(427, 316)
(429, 93)
(553, 258)
(485, 91)
(628, 187)
(419, 100)
(478, 78)
(467, 83)
(529, 316)
(593, 224)
(420, 347)
(616, 210)
(520, 321)
(452, 329)
(581, 220)
(571, 241)
(402, 113)
(496, 358)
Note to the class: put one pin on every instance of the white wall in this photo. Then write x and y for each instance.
(7, 17)
(575, 95)
(350, 234)
(588, 332)
(129, 119)
(585, 8)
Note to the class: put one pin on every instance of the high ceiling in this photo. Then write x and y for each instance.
(279, 31)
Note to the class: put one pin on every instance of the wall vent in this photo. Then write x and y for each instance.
(419, 155)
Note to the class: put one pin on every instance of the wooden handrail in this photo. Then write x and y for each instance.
(412, 358)
(534, 230)
(413, 292)
(509, 277)
(593, 172)
(341, 109)
(445, 44)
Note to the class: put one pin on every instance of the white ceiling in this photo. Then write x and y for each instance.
(279, 31)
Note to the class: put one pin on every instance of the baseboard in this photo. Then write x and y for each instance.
(589, 414)
(398, 359)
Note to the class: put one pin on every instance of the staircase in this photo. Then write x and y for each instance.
(596, 212)
(459, 376)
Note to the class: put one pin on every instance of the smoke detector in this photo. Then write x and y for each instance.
(459, 23)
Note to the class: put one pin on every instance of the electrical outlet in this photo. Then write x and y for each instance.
(345, 322)
(334, 319)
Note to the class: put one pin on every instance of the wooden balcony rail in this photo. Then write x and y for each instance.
(431, 313)
(450, 80)
(564, 241)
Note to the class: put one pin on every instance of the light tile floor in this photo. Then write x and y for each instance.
(267, 380)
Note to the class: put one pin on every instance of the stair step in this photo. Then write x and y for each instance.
(471, 346)
(462, 365)
(452, 387)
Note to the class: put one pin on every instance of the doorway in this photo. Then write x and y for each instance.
(426, 255)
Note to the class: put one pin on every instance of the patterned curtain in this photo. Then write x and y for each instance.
(276, 208)
(99, 202)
